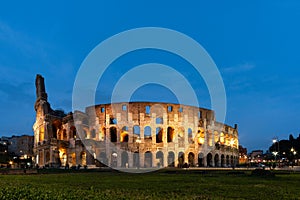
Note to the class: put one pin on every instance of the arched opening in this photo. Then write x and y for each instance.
(170, 134)
(159, 120)
(209, 160)
(190, 136)
(171, 159)
(210, 139)
(200, 160)
(231, 161)
(42, 133)
(216, 137)
(147, 134)
(222, 138)
(136, 130)
(103, 134)
(72, 131)
(227, 160)
(148, 159)
(201, 136)
(113, 134)
(56, 125)
(181, 137)
(180, 159)
(136, 159)
(47, 157)
(124, 159)
(159, 135)
(223, 160)
(191, 159)
(112, 120)
(114, 159)
(124, 134)
(160, 159)
(83, 158)
(216, 160)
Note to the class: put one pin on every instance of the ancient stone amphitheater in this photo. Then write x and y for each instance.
(132, 135)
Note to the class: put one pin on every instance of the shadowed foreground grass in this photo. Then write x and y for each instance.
(162, 185)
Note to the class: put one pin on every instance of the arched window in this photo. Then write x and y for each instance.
(113, 134)
(170, 134)
(136, 130)
(190, 136)
(147, 131)
(124, 134)
(159, 120)
(159, 135)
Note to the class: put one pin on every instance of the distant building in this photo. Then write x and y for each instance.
(256, 156)
(21, 145)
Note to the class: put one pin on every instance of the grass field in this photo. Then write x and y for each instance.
(160, 185)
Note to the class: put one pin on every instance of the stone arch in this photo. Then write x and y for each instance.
(148, 159)
(136, 130)
(200, 160)
(136, 159)
(181, 134)
(191, 159)
(159, 120)
(216, 137)
(160, 159)
(223, 161)
(159, 135)
(103, 133)
(124, 159)
(170, 134)
(83, 158)
(171, 159)
(216, 160)
(113, 134)
(222, 138)
(41, 133)
(209, 160)
(72, 131)
(180, 159)
(124, 134)
(114, 159)
(190, 136)
(227, 160)
(147, 131)
(201, 136)
(47, 157)
(209, 138)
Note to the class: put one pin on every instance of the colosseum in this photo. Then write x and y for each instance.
(131, 135)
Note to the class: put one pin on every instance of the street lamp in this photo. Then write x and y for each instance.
(138, 141)
(293, 154)
(276, 152)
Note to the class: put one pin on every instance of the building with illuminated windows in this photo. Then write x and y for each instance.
(131, 134)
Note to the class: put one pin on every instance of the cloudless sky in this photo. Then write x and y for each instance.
(255, 45)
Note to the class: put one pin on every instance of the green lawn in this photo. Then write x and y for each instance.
(159, 185)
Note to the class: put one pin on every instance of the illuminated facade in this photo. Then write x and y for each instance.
(130, 135)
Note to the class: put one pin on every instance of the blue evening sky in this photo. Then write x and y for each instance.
(255, 45)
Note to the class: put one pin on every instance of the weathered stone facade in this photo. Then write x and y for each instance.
(131, 135)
